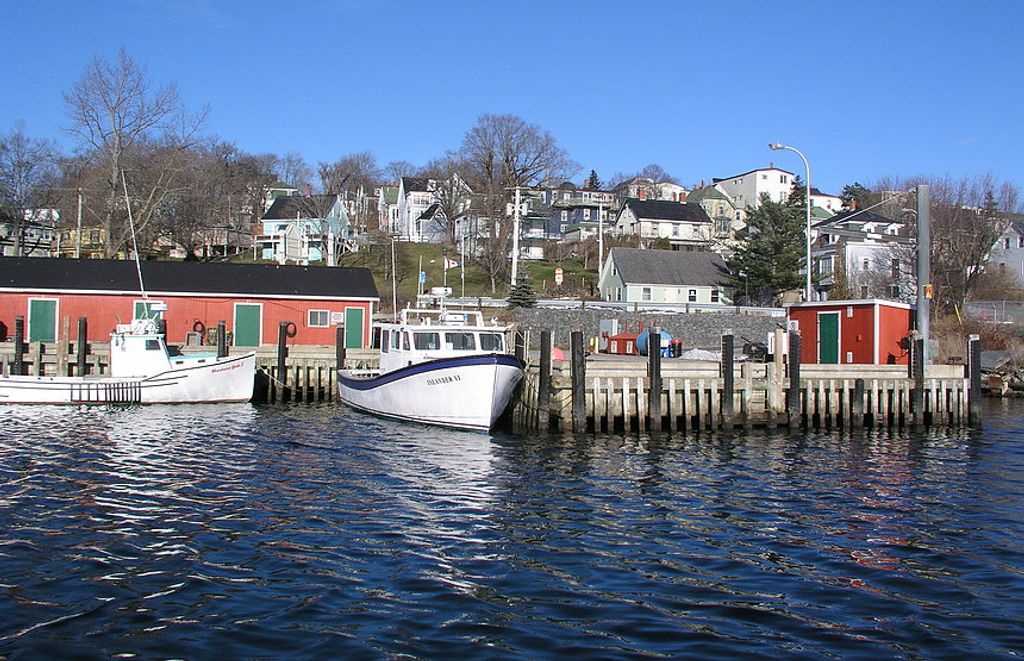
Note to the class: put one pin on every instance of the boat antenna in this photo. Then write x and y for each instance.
(135, 244)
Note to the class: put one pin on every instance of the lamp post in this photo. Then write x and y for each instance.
(776, 146)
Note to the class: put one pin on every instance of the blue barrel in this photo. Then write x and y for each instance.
(641, 340)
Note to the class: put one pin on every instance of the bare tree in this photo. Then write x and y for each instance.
(502, 152)
(967, 216)
(293, 170)
(28, 173)
(395, 170)
(506, 151)
(121, 123)
(350, 172)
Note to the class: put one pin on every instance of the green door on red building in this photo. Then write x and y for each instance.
(828, 338)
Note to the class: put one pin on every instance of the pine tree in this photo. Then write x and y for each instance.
(772, 254)
(522, 295)
(592, 183)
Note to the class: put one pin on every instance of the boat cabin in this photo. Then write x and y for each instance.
(422, 335)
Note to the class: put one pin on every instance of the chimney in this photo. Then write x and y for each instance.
(853, 204)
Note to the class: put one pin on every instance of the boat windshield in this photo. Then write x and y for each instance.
(459, 341)
(491, 342)
(426, 341)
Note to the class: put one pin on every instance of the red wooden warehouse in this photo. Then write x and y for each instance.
(864, 332)
(252, 299)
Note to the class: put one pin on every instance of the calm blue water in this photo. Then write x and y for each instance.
(312, 531)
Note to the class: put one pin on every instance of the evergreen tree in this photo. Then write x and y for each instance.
(522, 295)
(855, 193)
(593, 183)
(773, 251)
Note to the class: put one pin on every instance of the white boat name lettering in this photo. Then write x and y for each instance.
(443, 379)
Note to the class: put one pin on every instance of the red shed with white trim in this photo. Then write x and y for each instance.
(863, 332)
(252, 299)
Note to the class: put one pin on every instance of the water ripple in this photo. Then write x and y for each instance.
(174, 531)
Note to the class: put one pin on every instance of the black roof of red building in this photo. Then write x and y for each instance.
(223, 278)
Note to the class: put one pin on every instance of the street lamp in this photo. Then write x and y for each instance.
(776, 146)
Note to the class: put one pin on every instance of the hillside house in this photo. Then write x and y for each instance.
(685, 226)
(635, 275)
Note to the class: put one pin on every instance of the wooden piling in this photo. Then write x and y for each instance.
(728, 380)
(793, 394)
(222, 339)
(18, 367)
(282, 354)
(857, 404)
(544, 382)
(974, 377)
(339, 347)
(579, 382)
(654, 379)
(82, 346)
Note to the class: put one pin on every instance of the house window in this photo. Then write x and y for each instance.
(866, 264)
(783, 179)
(714, 296)
(721, 209)
(894, 291)
(94, 236)
(618, 290)
(739, 216)
(765, 177)
(1006, 243)
(895, 266)
(586, 214)
(645, 294)
(863, 291)
(319, 319)
(1020, 241)
(693, 296)
(675, 230)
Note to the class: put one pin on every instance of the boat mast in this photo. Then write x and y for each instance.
(135, 244)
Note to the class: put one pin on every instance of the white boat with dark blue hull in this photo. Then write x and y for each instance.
(437, 367)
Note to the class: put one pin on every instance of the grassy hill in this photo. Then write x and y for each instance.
(577, 281)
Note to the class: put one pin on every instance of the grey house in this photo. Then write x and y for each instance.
(635, 275)
(1008, 252)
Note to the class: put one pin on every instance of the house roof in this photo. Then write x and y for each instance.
(667, 210)
(743, 174)
(390, 194)
(669, 267)
(118, 276)
(418, 184)
(706, 193)
(290, 207)
(861, 217)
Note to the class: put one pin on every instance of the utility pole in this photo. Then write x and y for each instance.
(924, 264)
(78, 242)
(600, 242)
(515, 239)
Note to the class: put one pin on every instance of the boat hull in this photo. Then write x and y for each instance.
(467, 392)
(228, 379)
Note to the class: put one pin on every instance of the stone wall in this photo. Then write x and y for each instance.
(702, 330)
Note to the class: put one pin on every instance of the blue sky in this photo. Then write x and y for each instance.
(864, 90)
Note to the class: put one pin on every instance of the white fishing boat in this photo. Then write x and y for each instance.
(142, 371)
(438, 367)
